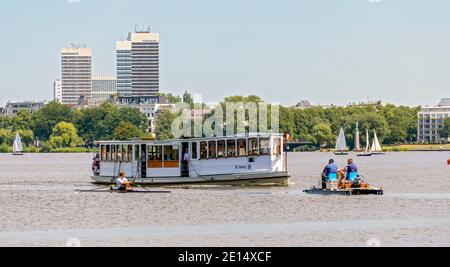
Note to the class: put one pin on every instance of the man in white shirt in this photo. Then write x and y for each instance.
(122, 183)
(186, 160)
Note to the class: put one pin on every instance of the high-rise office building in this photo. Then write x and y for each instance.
(103, 88)
(76, 75)
(138, 65)
(57, 91)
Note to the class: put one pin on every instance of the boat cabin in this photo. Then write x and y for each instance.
(196, 157)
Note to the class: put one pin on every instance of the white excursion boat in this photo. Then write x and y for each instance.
(17, 148)
(240, 159)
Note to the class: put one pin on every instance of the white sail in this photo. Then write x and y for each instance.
(376, 147)
(341, 143)
(367, 142)
(17, 146)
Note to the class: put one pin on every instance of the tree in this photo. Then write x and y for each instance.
(27, 137)
(445, 131)
(6, 137)
(100, 122)
(187, 98)
(322, 134)
(46, 118)
(172, 98)
(65, 135)
(125, 131)
(23, 120)
(164, 125)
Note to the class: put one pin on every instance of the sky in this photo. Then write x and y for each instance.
(326, 51)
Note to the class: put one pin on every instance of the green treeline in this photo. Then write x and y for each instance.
(62, 129)
(320, 126)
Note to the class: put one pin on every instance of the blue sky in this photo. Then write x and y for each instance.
(327, 51)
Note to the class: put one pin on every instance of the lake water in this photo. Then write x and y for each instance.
(38, 207)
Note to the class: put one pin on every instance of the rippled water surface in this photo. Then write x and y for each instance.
(39, 207)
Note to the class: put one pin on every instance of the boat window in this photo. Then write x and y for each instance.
(125, 153)
(264, 146)
(231, 148)
(203, 150)
(103, 152)
(113, 153)
(221, 149)
(119, 153)
(194, 152)
(242, 147)
(171, 156)
(108, 153)
(253, 149)
(155, 153)
(171, 153)
(130, 153)
(137, 150)
(277, 146)
(212, 146)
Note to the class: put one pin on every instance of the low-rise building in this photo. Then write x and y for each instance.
(431, 120)
(13, 107)
(104, 88)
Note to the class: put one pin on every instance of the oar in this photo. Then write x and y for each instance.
(95, 189)
(148, 190)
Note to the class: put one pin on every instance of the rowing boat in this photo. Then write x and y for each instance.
(134, 191)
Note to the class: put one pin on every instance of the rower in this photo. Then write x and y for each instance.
(122, 183)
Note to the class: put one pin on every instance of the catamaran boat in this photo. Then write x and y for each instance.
(240, 159)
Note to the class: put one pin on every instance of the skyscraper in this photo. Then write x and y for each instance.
(76, 75)
(57, 91)
(138, 65)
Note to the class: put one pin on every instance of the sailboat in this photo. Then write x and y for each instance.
(17, 146)
(376, 147)
(341, 144)
(367, 152)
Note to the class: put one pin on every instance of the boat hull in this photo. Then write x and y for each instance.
(269, 178)
(341, 153)
(365, 155)
(346, 192)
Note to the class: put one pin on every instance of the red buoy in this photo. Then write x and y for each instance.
(448, 162)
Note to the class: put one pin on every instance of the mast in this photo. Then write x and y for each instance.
(367, 141)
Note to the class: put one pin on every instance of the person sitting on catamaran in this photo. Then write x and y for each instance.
(329, 173)
(351, 171)
(122, 183)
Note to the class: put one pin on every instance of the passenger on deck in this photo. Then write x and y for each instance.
(329, 173)
(349, 173)
(122, 183)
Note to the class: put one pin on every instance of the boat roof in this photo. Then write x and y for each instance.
(173, 141)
